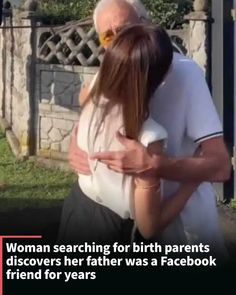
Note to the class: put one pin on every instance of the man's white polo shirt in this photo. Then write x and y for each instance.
(184, 106)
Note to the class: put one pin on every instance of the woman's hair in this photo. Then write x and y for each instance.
(133, 67)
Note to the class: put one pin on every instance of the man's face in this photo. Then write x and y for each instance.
(110, 21)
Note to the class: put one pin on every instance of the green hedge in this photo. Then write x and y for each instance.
(166, 12)
(60, 11)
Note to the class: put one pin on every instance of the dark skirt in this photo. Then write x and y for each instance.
(84, 220)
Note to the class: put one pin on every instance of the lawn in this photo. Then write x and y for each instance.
(29, 185)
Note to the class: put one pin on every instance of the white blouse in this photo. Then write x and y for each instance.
(104, 186)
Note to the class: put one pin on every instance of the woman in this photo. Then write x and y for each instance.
(110, 206)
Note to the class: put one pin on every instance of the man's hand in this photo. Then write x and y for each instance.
(212, 164)
(135, 159)
(78, 159)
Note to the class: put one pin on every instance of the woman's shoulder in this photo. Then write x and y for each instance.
(152, 131)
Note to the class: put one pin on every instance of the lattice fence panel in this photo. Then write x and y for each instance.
(76, 43)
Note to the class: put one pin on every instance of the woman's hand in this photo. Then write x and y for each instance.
(78, 159)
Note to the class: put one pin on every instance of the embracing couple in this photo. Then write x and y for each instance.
(148, 143)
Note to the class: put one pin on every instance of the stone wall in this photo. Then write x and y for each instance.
(38, 101)
(199, 33)
(57, 93)
(198, 52)
(16, 54)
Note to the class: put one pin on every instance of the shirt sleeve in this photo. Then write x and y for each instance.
(151, 132)
(202, 118)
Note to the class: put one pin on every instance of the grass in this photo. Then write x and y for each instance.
(29, 185)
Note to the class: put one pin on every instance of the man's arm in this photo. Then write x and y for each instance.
(212, 165)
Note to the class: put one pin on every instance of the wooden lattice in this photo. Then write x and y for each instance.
(76, 43)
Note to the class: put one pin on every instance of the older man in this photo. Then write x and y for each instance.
(183, 105)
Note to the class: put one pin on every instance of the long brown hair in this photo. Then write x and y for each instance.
(133, 67)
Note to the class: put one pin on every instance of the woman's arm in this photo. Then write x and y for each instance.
(84, 92)
(152, 214)
(147, 204)
(78, 159)
(147, 200)
(173, 206)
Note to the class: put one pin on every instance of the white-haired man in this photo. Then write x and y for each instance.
(183, 105)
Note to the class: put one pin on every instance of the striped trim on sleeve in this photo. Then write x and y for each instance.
(209, 136)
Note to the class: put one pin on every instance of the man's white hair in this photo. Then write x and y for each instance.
(136, 4)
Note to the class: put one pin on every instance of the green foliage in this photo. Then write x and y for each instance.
(60, 11)
(166, 12)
